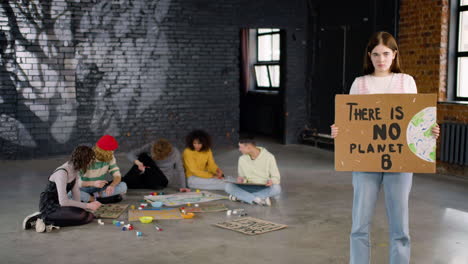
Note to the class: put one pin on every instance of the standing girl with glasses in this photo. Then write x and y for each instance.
(382, 75)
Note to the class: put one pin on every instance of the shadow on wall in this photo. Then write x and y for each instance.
(68, 71)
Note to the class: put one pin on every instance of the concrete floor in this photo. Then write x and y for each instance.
(316, 205)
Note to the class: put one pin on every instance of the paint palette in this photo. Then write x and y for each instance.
(207, 208)
(162, 214)
(179, 199)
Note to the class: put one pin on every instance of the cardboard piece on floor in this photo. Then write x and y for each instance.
(385, 133)
(206, 208)
(251, 226)
(178, 199)
(163, 214)
(112, 211)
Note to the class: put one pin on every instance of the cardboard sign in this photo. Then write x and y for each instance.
(251, 226)
(110, 210)
(385, 133)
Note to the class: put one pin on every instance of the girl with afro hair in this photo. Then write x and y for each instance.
(200, 167)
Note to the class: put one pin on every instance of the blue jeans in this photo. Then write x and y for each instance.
(86, 192)
(248, 193)
(397, 187)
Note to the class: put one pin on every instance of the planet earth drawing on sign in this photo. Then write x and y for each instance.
(419, 134)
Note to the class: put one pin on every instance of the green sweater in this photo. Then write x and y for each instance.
(99, 169)
(259, 170)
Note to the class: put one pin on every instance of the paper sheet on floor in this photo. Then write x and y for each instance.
(163, 214)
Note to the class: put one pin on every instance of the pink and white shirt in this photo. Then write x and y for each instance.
(393, 83)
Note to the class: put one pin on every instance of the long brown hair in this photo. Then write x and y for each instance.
(387, 40)
(81, 157)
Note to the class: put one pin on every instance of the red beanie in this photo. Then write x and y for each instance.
(107, 142)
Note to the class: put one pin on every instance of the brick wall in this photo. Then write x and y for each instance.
(423, 43)
(133, 69)
(454, 113)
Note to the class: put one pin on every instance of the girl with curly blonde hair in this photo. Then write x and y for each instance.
(156, 165)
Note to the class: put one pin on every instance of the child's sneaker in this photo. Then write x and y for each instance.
(262, 201)
(258, 201)
(49, 228)
(30, 220)
(40, 226)
(233, 198)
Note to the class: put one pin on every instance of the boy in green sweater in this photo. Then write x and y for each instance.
(258, 175)
(93, 184)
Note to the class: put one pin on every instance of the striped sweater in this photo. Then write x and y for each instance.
(98, 170)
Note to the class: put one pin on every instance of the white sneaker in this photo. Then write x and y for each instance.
(258, 201)
(262, 201)
(233, 198)
(30, 220)
(40, 226)
(49, 228)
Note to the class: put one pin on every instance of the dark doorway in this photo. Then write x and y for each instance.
(339, 32)
(330, 59)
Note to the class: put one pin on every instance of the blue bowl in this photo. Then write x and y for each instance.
(156, 204)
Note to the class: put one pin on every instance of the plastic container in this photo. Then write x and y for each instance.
(157, 204)
(188, 215)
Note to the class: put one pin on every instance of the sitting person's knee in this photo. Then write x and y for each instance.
(276, 188)
(87, 218)
(83, 215)
(85, 197)
(123, 188)
(228, 187)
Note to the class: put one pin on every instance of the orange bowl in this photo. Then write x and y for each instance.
(188, 215)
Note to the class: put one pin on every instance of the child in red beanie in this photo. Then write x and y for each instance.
(93, 183)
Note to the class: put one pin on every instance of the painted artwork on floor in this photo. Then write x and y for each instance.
(179, 199)
(162, 214)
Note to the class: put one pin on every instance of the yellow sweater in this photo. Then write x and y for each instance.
(199, 164)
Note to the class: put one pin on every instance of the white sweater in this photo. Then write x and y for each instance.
(259, 170)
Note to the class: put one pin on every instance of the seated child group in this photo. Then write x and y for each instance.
(81, 185)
